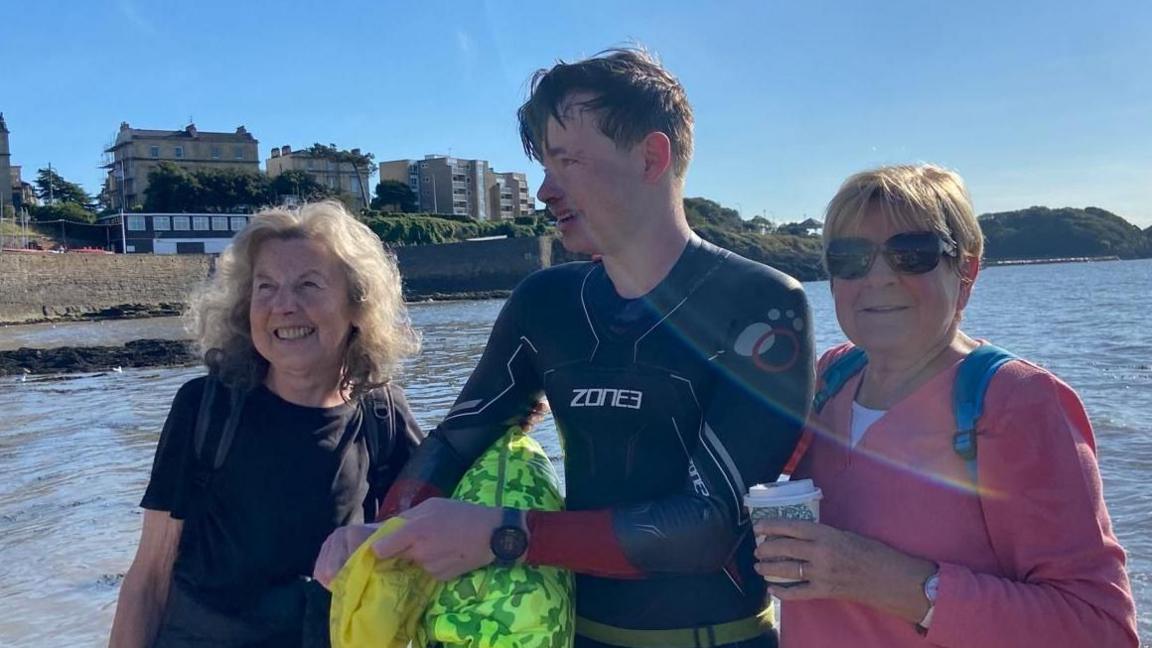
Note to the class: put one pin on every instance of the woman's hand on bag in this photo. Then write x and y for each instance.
(341, 544)
(841, 565)
(447, 538)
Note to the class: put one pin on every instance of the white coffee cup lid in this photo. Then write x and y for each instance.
(783, 493)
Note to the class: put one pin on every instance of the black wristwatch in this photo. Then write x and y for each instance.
(509, 540)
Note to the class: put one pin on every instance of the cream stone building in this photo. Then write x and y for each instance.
(339, 176)
(136, 152)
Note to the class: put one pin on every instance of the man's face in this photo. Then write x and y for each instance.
(589, 182)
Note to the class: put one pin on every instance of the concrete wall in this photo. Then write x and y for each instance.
(37, 287)
(472, 266)
(55, 286)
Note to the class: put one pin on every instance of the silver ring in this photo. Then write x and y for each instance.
(801, 566)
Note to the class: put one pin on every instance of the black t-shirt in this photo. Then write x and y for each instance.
(293, 474)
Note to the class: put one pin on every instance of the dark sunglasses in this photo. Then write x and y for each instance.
(907, 253)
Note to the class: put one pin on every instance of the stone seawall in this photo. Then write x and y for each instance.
(40, 287)
(471, 267)
(36, 287)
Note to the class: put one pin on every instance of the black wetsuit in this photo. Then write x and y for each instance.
(669, 407)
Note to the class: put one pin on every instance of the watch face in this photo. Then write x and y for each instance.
(509, 543)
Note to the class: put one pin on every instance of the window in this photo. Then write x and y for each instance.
(238, 223)
(308, 165)
(136, 223)
(199, 223)
(180, 224)
(178, 152)
(220, 223)
(427, 179)
(215, 152)
(154, 151)
(161, 223)
(238, 152)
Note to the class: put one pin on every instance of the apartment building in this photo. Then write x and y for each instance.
(340, 176)
(136, 152)
(448, 185)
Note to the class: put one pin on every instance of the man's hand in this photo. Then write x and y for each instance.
(445, 537)
(337, 548)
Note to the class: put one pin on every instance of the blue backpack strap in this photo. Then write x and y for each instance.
(972, 378)
(837, 374)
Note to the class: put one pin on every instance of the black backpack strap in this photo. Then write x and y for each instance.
(211, 447)
(378, 414)
(204, 414)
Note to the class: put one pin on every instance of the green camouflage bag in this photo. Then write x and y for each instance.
(505, 607)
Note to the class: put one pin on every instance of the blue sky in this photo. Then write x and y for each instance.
(1035, 103)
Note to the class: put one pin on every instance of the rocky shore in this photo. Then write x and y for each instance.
(138, 353)
(121, 311)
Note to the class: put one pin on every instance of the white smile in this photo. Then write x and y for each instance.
(293, 332)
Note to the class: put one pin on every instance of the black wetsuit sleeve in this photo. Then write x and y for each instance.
(167, 486)
(503, 390)
(752, 421)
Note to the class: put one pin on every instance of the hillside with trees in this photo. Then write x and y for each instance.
(789, 248)
(428, 229)
(1043, 233)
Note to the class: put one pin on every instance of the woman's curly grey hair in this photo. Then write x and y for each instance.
(218, 316)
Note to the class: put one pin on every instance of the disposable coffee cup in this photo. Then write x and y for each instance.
(790, 500)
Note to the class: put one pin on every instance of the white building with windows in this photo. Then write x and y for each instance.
(176, 233)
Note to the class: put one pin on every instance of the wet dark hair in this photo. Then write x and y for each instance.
(633, 95)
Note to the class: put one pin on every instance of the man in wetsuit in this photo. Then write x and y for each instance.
(678, 373)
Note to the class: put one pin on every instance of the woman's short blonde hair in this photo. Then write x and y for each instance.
(218, 316)
(920, 197)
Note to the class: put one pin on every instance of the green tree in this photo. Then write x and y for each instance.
(172, 189)
(51, 187)
(67, 211)
(362, 163)
(395, 194)
(300, 184)
(701, 211)
(761, 225)
(232, 190)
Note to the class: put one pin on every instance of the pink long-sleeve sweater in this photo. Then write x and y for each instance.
(1030, 561)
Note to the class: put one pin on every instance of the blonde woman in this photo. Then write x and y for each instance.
(296, 431)
(928, 536)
